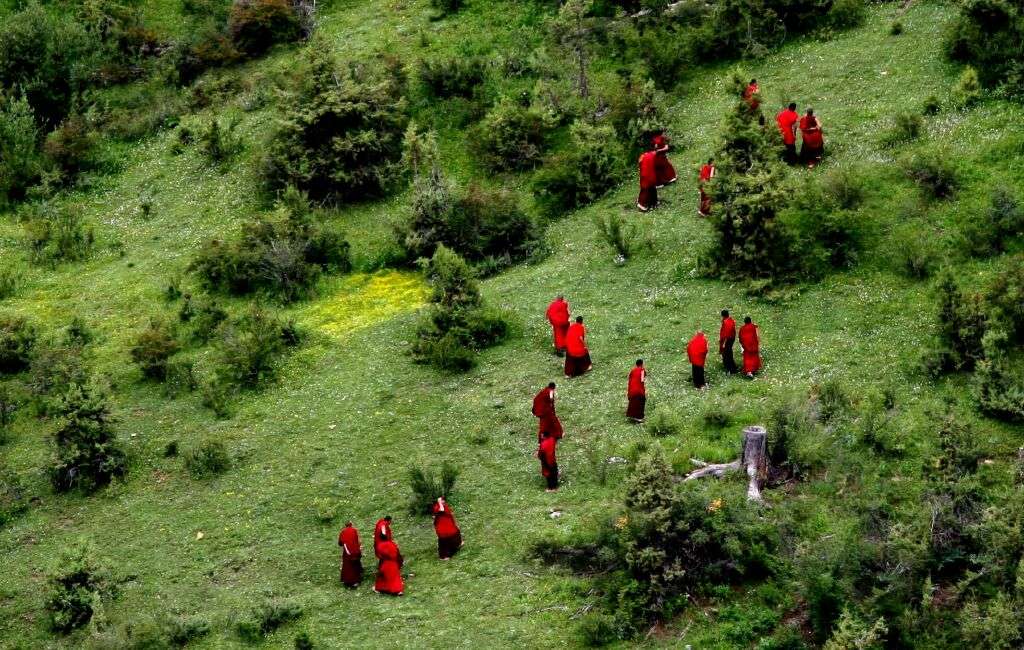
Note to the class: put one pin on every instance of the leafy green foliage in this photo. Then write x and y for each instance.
(620, 236)
(452, 77)
(582, 173)
(249, 346)
(256, 25)
(88, 455)
(427, 485)
(991, 231)
(152, 349)
(510, 137)
(266, 618)
(340, 136)
(57, 234)
(208, 459)
(17, 338)
(13, 500)
(21, 163)
(987, 34)
(77, 586)
(934, 173)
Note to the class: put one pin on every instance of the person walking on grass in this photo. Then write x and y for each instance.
(558, 316)
(726, 339)
(544, 411)
(697, 351)
(577, 354)
(648, 198)
(750, 343)
(812, 146)
(636, 392)
(383, 528)
(664, 170)
(351, 556)
(787, 120)
(449, 537)
(548, 461)
(389, 569)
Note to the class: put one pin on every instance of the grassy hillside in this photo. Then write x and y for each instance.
(350, 411)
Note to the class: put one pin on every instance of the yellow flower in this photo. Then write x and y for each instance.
(715, 505)
(622, 521)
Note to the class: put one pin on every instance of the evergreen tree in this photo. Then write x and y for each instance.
(88, 454)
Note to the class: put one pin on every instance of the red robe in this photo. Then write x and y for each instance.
(351, 556)
(810, 133)
(381, 527)
(648, 180)
(558, 316)
(750, 96)
(444, 521)
(663, 169)
(389, 570)
(576, 340)
(707, 172)
(546, 454)
(636, 393)
(751, 343)
(697, 349)
(726, 332)
(786, 119)
(544, 411)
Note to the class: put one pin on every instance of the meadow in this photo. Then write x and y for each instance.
(332, 438)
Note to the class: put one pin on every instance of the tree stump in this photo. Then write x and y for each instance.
(753, 460)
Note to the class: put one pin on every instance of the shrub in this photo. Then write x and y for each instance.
(13, 501)
(987, 34)
(452, 77)
(717, 416)
(896, 28)
(428, 485)
(57, 234)
(620, 236)
(69, 146)
(853, 633)
(510, 137)
(152, 349)
(961, 322)
(17, 339)
(932, 105)
(208, 459)
(88, 454)
(664, 423)
(10, 402)
(219, 143)
(446, 7)
(583, 173)
(216, 396)
(303, 642)
(10, 283)
(20, 161)
(822, 224)
(76, 588)
(914, 256)
(990, 232)
(905, 127)
(340, 137)
(967, 90)
(933, 172)
(833, 399)
(54, 369)
(180, 377)
(256, 25)
(78, 333)
(204, 314)
(248, 348)
(266, 618)
(597, 630)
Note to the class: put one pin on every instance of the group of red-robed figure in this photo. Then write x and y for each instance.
(389, 558)
(812, 141)
(570, 338)
(750, 344)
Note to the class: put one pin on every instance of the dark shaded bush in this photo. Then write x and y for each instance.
(17, 339)
(55, 368)
(990, 232)
(905, 127)
(163, 632)
(219, 144)
(452, 77)
(21, 163)
(266, 618)
(457, 325)
(77, 586)
(256, 25)
(664, 422)
(824, 232)
(585, 171)
(445, 7)
(967, 90)
(69, 147)
(88, 454)
(597, 630)
(961, 322)
(248, 347)
(200, 49)
(13, 500)
(987, 34)
(208, 459)
(914, 256)
(933, 172)
(204, 314)
(10, 283)
(428, 485)
(152, 349)
(57, 234)
(340, 137)
(283, 255)
(510, 137)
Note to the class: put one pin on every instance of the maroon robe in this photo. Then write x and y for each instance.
(648, 197)
(389, 570)
(577, 355)
(707, 172)
(544, 411)
(663, 169)
(751, 343)
(558, 316)
(636, 393)
(351, 557)
(449, 537)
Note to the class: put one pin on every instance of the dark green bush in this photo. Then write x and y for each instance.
(597, 630)
(249, 347)
(446, 7)
(219, 144)
(961, 321)
(452, 77)
(303, 642)
(428, 485)
(933, 172)
(21, 163)
(256, 25)
(340, 137)
(266, 618)
(57, 234)
(620, 235)
(208, 459)
(967, 90)
(204, 314)
(69, 146)
(999, 224)
(180, 377)
(17, 339)
(54, 369)
(152, 349)
(833, 399)
(88, 454)
(13, 500)
(664, 422)
(896, 28)
(906, 126)
(199, 50)
(76, 587)
(10, 282)
(581, 174)
(932, 105)
(821, 219)
(987, 34)
(216, 396)
(510, 137)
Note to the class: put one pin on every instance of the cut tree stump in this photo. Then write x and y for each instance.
(753, 459)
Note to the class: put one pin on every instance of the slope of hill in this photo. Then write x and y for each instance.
(350, 412)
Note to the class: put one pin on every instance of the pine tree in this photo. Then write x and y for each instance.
(88, 454)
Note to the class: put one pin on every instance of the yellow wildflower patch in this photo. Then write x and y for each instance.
(362, 299)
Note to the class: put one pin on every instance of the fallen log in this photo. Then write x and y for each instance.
(753, 459)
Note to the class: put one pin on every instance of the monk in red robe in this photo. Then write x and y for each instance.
(389, 569)
(726, 339)
(750, 343)
(544, 411)
(351, 556)
(664, 170)
(636, 392)
(812, 146)
(648, 198)
(752, 95)
(707, 172)
(548, 461)
(787, 120)
(697, 351)
(558, 316)
(382, 528)
(449, 537)
(577, 355)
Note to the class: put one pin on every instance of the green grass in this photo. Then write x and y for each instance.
(350, 412)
